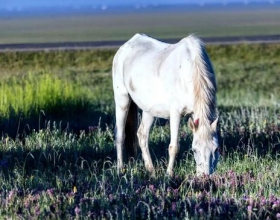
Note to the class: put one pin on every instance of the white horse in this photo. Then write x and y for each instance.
(165, 81)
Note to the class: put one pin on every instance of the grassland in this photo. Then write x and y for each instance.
(120, 25)
(57, 156)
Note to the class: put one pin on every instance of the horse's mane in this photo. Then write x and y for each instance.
(204, 87)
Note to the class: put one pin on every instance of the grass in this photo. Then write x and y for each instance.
(55, 174)
(245, 75)
(57, 156)
(93, 26)
(48, 90)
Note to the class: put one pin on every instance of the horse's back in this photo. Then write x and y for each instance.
(138, 46)
(141, 46)
(144, 42)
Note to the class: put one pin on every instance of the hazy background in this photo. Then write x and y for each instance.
(35, 21)
(25, 4)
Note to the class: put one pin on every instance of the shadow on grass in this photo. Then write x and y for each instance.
(71, 117)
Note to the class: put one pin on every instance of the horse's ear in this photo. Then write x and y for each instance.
(214, 124)
(193, 124)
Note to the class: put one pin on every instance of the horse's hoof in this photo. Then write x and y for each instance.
(170, 174)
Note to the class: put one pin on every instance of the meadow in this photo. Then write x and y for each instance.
(164, 22)
(57, 156)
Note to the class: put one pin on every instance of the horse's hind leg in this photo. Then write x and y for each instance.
(122, 107)
(143, 138)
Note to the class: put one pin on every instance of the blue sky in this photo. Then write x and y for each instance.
(44, 3)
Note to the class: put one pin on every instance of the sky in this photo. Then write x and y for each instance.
(76, 3)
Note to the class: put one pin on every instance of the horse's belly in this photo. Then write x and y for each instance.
(155, 105)
(159, 110)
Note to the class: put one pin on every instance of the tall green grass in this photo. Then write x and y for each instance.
(32, 93)
(246, 74)
(62, 85)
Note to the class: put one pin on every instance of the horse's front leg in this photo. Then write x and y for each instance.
(174, 143)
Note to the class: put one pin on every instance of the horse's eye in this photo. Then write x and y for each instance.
(194, 151)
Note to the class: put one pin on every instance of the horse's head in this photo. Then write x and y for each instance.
(205, 146)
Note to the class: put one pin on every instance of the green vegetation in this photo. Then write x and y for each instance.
(51, 81)
(59, 86)
(57, 156)
(246, 74)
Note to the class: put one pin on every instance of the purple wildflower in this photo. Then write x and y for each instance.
(37, 210)
(92, 128)
(152, 187)
(249, 208)
(184, 134)
(175, 191)
(11, 194)
(77, 210)
(50, 192)
(173, 206)
(111, 197)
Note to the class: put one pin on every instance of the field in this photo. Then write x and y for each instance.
(165, 22)
(57, 156)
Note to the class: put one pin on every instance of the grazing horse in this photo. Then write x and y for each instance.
(165, 81)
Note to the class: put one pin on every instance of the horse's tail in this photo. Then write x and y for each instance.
(130, 142)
